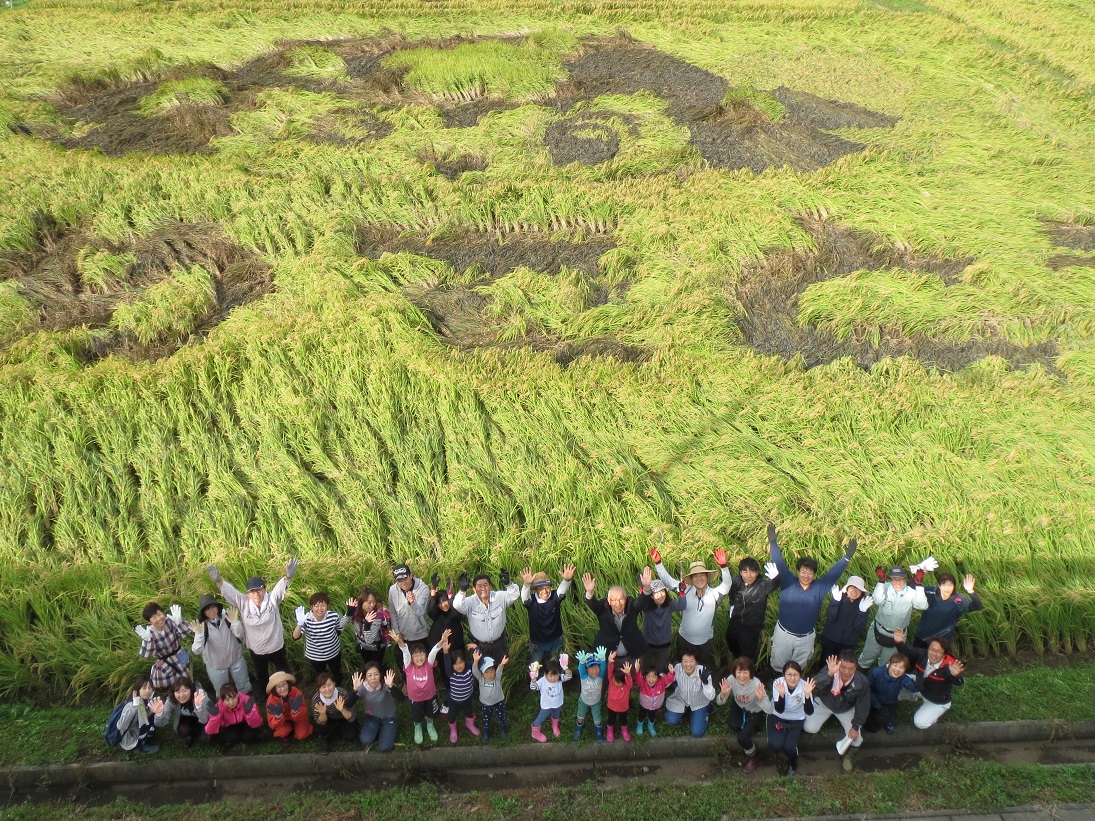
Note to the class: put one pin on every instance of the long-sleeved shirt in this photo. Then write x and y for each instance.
(371, 635)
(219, 643)
(793, 705)
(749, 602)
(652, 697)
(379, 702)
(844, 621)
(942, 615)
(697, 623)
(490, 690)
(164, 646)
(291, 709)
(221, 716)
(462, 684)
(592, 687)
(321, 638)
(348, 701)
(545, 622)
(619, 695)
(885, 689)
(854, 695)
(934, 682)
(487, 620)
(551, 692)
(745, 696)
(420, 681)
(263, 632)
(173, 711)
(799, 607)
(691, 690)
(409, 620)
(658, 621)
(894, 608)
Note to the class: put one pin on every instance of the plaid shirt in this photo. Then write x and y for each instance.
(165, 647)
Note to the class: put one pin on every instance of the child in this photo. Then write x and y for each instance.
(217, 639)
(545, 623)
(333, 710)
(694, 694)
(750, 701)
(371, 625)
(589, 673)
(187, 709)
(886, 686)
(845, 618)
(234, 718)
(461, 687)
(792, 701)
(619, 698)
(321, 628)
(444, 617)
(749, 607)
(286, 710)
(421, 687)
(550, 687)
(379, 723)
(491, 696)
(652, 687)
(136, 724)
(162, 640)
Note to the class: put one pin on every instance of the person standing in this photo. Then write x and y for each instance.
(618, 620)
(486, 611)
(408, 598)
(895, 601)
(217, 638)
(695, 635)
(749, 607)
(263, 631)
(800, 599)
(945, 609)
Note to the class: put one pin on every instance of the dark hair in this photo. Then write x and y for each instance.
(319, 598)
(366, 593)
(743, 663)
(946, 645)
(322, 678)
(179, 683)
(369, 665)
(792, 665)
(458, 655)
(749, 564)
(945, 577)
(848, 655)
(690, 653)
(552, 667)
(902, 658)
(228, 690)
(140, 682)
(618, 675)
(806, 561)
(150, 610)
(418, 647)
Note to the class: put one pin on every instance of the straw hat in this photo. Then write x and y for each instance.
(539, 580)
(700, 567)
(277, 679)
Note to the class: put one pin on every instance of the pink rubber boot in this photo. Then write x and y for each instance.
(452, 732)
(624, 733)
(610, 736)
(469, 722)
(538, 734)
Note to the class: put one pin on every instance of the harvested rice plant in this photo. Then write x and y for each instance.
(483, 285)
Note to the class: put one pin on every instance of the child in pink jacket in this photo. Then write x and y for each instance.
(234, 718)
(652, 689)
(619, 698)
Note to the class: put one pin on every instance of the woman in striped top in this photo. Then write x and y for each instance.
(321, 628)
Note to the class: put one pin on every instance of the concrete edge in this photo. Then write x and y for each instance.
(351, 764)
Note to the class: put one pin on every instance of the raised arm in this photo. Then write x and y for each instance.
(785, 578)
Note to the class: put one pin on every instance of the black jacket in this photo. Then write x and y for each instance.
(750, 602)
(608, 636)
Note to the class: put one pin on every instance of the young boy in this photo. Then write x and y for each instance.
(162, 640)
(545, 623)
(491, 697)
(590, 667)
(886, 686)
(321, 628)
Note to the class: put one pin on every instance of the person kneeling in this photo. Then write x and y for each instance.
(286, 710)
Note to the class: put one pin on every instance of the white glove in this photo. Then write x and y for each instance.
(142, 632)
(771, 571)
(865, 603)
(301, 615)
(175, 611)
(929, 564)
(837, 595)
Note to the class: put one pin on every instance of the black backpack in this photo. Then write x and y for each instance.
(112, 734)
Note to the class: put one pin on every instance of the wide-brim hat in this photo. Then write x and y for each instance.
(277, 679)
(539, 580)
(256, 583)
(856, 582)
(700, 567)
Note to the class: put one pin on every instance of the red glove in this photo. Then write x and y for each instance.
(655, 555)
(682, 587)
(918, 578)
(880, 572)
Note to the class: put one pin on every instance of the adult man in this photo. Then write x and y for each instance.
(263, 631)
(895, 601)
(696, 632)
(800, 599)
(749, 607)
(618, 620)
(841, 690)
(486, 612)
(407, 600)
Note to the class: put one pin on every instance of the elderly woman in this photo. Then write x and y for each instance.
(845, 618)
(937, 672)
(618, 620)
(696, 632)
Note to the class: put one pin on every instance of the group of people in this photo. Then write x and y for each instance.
(453, 639)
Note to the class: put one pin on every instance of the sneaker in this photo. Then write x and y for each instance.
(444, 709)
(147, 748)
(452, 732)
(789, 772)
(417, 733)
(891, 728)
(431, 731)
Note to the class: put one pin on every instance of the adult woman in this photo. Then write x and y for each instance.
(792, 701)
(937, 671)
(945, 608)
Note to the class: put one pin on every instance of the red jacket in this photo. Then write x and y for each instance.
(291, 709)
(619, 695)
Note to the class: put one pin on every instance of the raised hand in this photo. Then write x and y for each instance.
(199, 698)
(291, 568)
(199, 626)
(899, 635)
(357, 680)
(233, 614)
(156, 705)
(582, 656)
(760, 692)
(503, 662)
(957, 668)
(589, 583)
(720, 557)
(771, 571)
(627, 668)
(476, 656)
(646, 578)
(464, 582)
(143, 633)
(880, 573)
(808, 687)
(612, 657)
(351, 602)
(781, 688)
(866, 603)
(526, 576)
(833, 664)
(771, 531)
(836, 593)
(214, 573)
(398, 639)
(340, 704)
(724, 687)
(568, 571)
(655, 555)
(321, 709)
(503, 579)
(968, 583)
(930, 564)
(849, 551)
(175, 611)
(435, 580)
(301, 614)
(389, 679)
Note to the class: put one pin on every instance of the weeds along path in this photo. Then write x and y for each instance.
(482, 288)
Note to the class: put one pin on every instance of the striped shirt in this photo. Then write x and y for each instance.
(461, 685)
(321, 640)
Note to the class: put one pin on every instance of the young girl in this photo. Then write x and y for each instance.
(886, 686)
(590, 667)
(550, 687)
(162, 640)
(371, 624)
(379, 723)
(491, 697)
(286, 709)
(652, 687)
(846, 618)
(136, 724)
(461, 688)
(333, 709)
(792, 701)
(749, 702)
(321, 628)
(234, 718)
(619, 698)
(187, 709)
(421, 687)
(937, 671)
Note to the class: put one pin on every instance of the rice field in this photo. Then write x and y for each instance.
(474, 286)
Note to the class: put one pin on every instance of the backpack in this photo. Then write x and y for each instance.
(112, 734)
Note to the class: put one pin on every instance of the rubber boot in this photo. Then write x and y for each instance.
(600, 732)
(469, 722)
(430, 730)
(452, 732)
(624, 733)
(417, 733)
(538, 734)
(751, 764)
(846, 760)
(650, 726)
(639, 727)
(555, 727)
(610, 736)
(578, 729)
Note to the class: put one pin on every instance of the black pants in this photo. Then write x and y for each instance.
(340, 728)
(880, 717)
(191, 730)
(235, 733)
(744, 640)
(832, 648)
(332, 666)
(615, 719)
(262, 662)
(497, 649)
(743, 724)
(373, 656)
(704, 653)
(467, 707)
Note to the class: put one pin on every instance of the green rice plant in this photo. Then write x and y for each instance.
(171, 309)
(317, 63)
(762, 101)
(16, 314)
(192, 91)
(103, 271)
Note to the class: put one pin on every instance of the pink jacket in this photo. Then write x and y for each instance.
(245, 710)
(619, 695)
(651, 698)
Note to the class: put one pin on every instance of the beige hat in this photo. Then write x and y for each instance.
(700, 567)
(277, 679)
(855, 581)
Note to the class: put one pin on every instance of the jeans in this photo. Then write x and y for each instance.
(698, 720)
(380, 730)
(548, 650)
(547, 712)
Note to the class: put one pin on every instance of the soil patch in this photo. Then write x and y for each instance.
(451, 165)
(1059, 261)
(75, 280)
(1071, 235)
(589, 137)
(769, 291)
(466, 115)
